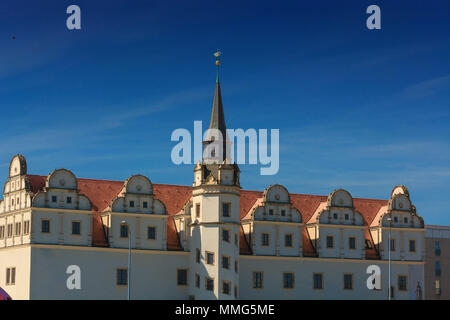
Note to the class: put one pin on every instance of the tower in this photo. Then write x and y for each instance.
(215, 215)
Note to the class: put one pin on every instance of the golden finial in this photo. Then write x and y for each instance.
(217, 54)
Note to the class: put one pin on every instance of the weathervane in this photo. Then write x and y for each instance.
(217, 54)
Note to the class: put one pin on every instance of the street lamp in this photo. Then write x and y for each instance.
(389, 268)
(129, 259)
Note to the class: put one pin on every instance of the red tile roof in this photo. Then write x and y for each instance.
(102, 192)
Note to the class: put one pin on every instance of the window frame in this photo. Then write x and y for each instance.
(283, 279)
(117, 277)
(229, 209)
(292, 240)
(148, 232)
(228, 282)
(314, 281)
(208, 254)
(262, 239)
(332, 242)
(186, 282)
(344, 283)
(71, 228)
(49, 225)
(261, 280)
(399, 287)
(354, 242)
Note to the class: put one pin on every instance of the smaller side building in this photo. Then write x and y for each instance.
(437, 262)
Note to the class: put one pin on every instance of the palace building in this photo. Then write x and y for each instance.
(208, 240)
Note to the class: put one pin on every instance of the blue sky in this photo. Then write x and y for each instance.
(358, 109)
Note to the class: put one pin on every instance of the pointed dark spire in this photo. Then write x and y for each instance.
(217, 115)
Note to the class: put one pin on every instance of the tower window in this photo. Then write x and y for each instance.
(226, 235)
(225, 262)
(197, 280)
(209, 284)
(209, 258)
(226, 287)
(225, 209)
(197, 255)
(197, 210)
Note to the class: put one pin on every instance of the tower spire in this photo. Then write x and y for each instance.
(217, 115)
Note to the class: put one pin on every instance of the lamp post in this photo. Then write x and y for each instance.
(389, 264)
(129, 260)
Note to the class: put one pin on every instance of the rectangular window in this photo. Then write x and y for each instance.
(335, 216)
(197, 210)
(288, 280)
(76, 227)
(197, 280)
(122, 277)
(317, 281)
(405, 220)
(145, 204)
(226, 287)
(437, 248)
(151, 233)
(18, 229)
(235, 266)
(54, 199)
(348, 281)
(265, 239)
(225, 262)
(395, 219)
(330, 242)
(437, 268)
(270, 212)
(346, 216)
(197, 255)
(235, 238)
(2, 232)
(10, 230)
(402, 283)
(10, 276)
(131, 204)
(209, 284)
(288, 240)
(352, 243)
(437, 286)
(225, 209)
(283, 212)
(26, 227)
(209, 258)
(45, 226)
(392, 244)
(412, 245)
(257, 280)
(124, 231)
(182, 277)
(226, 235)
(69, 199)
(235, 291)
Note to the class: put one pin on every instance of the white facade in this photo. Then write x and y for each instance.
(209, 241)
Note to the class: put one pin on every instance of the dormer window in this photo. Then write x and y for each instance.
(225, 209)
